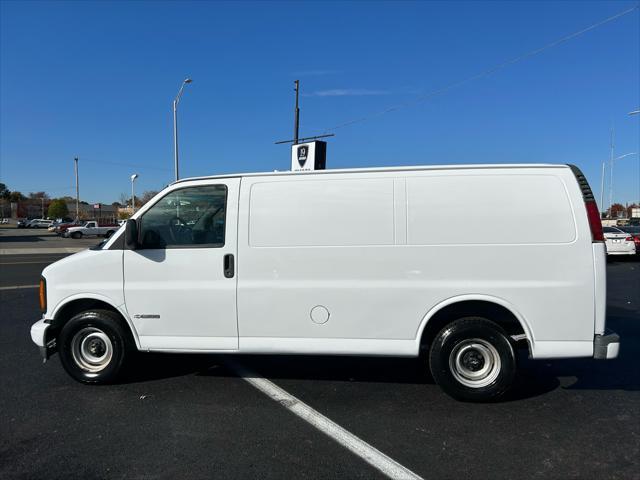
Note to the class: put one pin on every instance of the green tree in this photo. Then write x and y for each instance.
(58, 209)
(16, 197)
(4, 192)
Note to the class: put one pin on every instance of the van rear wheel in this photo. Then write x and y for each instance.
(93, 347)
(472, 359)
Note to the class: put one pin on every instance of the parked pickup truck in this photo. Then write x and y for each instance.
(90, 229)
(63, 227)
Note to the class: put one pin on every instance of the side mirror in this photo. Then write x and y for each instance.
(131, 235)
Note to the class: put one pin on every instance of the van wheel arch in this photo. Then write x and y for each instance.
(73, 308)
(495, 312)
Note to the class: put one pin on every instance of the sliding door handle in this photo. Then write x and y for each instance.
(228, 266)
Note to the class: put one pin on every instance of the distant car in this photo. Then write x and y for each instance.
(92, 228)
(39, 223)
(634, 231)
(618, 241)
(4, 221)
(22, 223)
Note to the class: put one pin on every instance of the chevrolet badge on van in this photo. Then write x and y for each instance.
(345, 262)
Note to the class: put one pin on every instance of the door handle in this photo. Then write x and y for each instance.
(228, 265)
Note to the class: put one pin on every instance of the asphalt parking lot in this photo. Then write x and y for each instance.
(194, 416)
(39, 240)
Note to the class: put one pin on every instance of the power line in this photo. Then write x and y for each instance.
(484, 73)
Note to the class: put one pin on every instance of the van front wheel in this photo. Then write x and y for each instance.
(472, 359)
(93, 347)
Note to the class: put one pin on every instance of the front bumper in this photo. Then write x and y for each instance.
(606, 346)
(39, 337)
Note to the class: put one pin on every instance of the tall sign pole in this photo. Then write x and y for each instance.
(296, 120)
(305, 155)
(75, 163)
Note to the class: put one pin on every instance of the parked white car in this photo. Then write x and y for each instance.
(345, 262)
(39, 223)
(618, 242)
(89, 229)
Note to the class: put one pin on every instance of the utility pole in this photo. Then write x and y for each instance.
(296, 118)
(42, 198)
(75, 163)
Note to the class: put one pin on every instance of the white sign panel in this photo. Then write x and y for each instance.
(302, 157)
(306, 157)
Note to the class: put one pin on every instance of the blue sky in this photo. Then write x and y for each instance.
(96, 80)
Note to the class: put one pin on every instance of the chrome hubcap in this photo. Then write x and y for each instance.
(91, 349)
(475, 363)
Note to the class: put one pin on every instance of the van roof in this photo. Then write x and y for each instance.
(379, 169)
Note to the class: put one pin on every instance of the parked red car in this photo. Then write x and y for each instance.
(634, 231)
(60, 229)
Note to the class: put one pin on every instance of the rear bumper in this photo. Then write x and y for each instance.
(622, 252)
(606, 346)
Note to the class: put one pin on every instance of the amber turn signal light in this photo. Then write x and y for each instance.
(43, 294)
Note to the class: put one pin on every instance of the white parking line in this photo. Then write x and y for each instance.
(369, 454)
(18, 287)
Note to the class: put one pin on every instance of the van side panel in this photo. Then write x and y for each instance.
(600, 286)
(307, 242)
(490, 209)
(327, 258)
(517, 236)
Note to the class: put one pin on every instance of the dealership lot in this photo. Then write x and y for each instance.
(39, 240)
(180, 416)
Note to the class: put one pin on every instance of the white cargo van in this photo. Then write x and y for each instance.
(345, 262)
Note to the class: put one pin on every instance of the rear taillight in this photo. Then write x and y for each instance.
(628, 239)
(43, 295)
(590, 203)
(594, 221)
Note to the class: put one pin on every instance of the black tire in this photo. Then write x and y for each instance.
(104, 329)
(472, 360)
(76, 235)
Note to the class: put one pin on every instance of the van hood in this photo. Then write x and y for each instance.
(65, 262)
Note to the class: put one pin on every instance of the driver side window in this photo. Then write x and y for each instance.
(192, 217)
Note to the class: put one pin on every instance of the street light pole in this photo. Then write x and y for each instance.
(75, 160)
(133, 196)
(175, 126)
(611, 172)
(611, 177)
(636, 112)
(602, 188)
